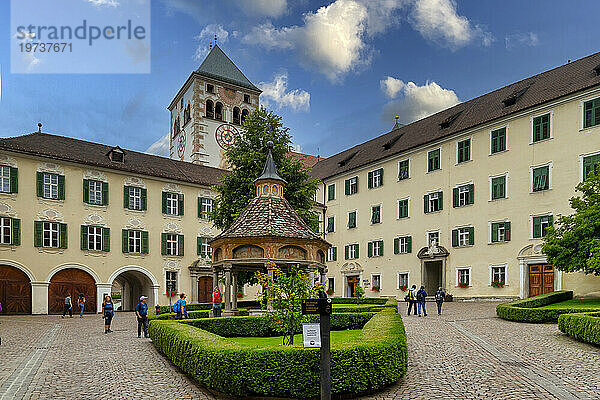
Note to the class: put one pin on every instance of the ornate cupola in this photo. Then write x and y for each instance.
(269, 183)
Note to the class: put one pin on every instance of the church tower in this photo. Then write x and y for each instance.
(212, 104)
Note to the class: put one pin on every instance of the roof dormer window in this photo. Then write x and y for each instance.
(116, 155)
(512, 99)
(448, 121)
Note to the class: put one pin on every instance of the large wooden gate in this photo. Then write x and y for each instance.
(541, 279)
(15, 291)
(205, 286)
(74, 282)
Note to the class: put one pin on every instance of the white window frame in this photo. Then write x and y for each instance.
(330, 253)
(546, 214)
(206, 207)
(167, 271)
(427, 161)
(531, 118)
(53, 229)
(172, 204)
(4, 179)
(327, 224)
(581, 157)
(379, 248)
(334, 191)
(429, 200)
(95, 192)
(470, 139)
(205, 248)
(490, 230)
(402, 244)
(348, 219)
(134, 241)
(439, 235)
(531, 168)
(331, 279)
(351, 251)
(461, 235)
(380, 214)
(398, 279)
(490, 178)
(52, 187)
(373, 280)
(461, 190)
(94, 242)
(470, 275)
(172, 246)
(398, 207)
(355, 178)
(491, 274)
(505, 142)
(409, 169)
(135, 198)
(379, 178)
(6, 222)
(582, 113)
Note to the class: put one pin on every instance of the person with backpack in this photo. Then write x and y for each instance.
(411, 297)
(141, 311)
(81, 302)
(108, 312)
(440, 295)
(68, 307)
(217, 300)
(421, 296)
(180, 307)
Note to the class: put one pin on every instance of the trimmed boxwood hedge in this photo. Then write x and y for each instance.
(364, 300)
(377, 358)
(208, 306)
(528, 310)
(582, 326)
(191, 314)
(357, 308)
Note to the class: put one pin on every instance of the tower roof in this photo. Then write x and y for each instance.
(218, 66)
(270, 170)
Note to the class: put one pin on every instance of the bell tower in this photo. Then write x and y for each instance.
(209, 109)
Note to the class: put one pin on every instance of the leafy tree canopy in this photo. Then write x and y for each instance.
(247, 159)
(573, 243)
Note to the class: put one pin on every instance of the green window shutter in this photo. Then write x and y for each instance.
(16, 231)
(106, 239)
(507, 231)
(61, 187)
(370, 180)
(426, 203)
(63, 238)
(163, 244)
(471, 236)
(164, 202)
(84, 237)
(86, 191)
(455, 197)
(409, 244)
(14, 180)
(356, 249)
(180, 245)
(199, 207)
(441, 200)
(40, 184)
(495, 226)
(380, 176)
(180, 204)
(381, 247)
(550, 220)
(145, 244)
(590, 164)
(454, 237)
(537, 227)
(125, 242)
(347, 252)
(537, 129)
(471, 193)
(330, 192)
(334, 254)
(144, 199)
(347, 187)
(370, 249)
(396, 245)
(104, 193)
(125, 196)
(37, 233)
(198, 245)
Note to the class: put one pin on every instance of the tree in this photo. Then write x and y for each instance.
(247, 158)
(573, 243)
(284, 293)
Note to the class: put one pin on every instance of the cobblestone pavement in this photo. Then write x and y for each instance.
(467, 353)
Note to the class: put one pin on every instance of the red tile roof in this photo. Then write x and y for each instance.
(306, 159)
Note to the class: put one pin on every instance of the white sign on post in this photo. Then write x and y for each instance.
(311, 335)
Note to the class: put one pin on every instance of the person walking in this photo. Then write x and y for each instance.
(216, 299)
(68, 307)
(181, 310)
(411, 297)
(421, 296)
(108, 312)
(440, 296)
(81, 302)
(141, 310)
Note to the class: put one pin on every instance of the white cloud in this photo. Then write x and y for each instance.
(161, 147)
(528, 39)
(206, 36)
(276, 92)
(106, 3)
(416, 102)
(438, 20)
(264, 8)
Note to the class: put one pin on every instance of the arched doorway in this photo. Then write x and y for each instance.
(73, 281)
(15, 291)
(131, 284)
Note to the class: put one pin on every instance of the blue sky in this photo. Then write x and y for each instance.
(337, 72)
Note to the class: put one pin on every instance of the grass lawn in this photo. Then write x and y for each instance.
(575, 303)
(336, 336)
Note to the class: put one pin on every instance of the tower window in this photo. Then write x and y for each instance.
(210, 109)
(236, 115)
(247, 98)
(244, 114)
(210, 88)
(219, 111)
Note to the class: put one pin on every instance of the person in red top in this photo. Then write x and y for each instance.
(217, 300)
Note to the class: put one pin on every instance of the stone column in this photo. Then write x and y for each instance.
(194, 289)
(39, 297)
(235, 289)
(227, 270)
(215, 280)
(155, 289)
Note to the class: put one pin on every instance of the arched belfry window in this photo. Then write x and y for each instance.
(236, 115)
(244, 114)
(219, 111)
(210, 109)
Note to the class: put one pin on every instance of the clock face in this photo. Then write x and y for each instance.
(225, 135)
(181, 145)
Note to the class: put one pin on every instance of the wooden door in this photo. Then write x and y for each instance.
(15, 291)
(352, 282)
(205, 288)
(541, 279)
(548, 279)
(72, 282)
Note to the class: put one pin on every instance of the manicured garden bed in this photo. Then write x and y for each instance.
(336, 338)
(372, 359)
(582, 326)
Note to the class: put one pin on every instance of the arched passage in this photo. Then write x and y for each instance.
(132, 283)
(74, 282)
(15, 291)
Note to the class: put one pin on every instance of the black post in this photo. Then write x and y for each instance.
(325, 357)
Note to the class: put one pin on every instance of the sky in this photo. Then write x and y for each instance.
(337, 72)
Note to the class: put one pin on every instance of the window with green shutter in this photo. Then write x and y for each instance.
(203, 248)
(172, 203)
(499, 187)
(403, 170)
(433, 202)
(351, 186)
(9, 179)
(134, 198)
(375, 248)
(541, 224)
(463, 149)
(50, 234)
(376, 214)
(591, 113)
(433, 160)
(463, 236)
(590, 165)
(351, 251)
(541, 127)
(498, 140)
(10, 231)
(95, 192)
(330, 224)
(541, 178)
(403, 208)
(352, 219)
(50, 186)
(500, 232)
(403, 245)
(375, 178)
(332, 254)
(463, 195)
(331, 192)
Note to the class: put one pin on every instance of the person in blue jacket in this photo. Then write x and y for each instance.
(108, 312)
(141, 311)
(421, 296)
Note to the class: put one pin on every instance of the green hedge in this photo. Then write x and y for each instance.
(364, 300)
(582, 326)
(375, 359)
(528, 310)
(357, 308)
(208, 306)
